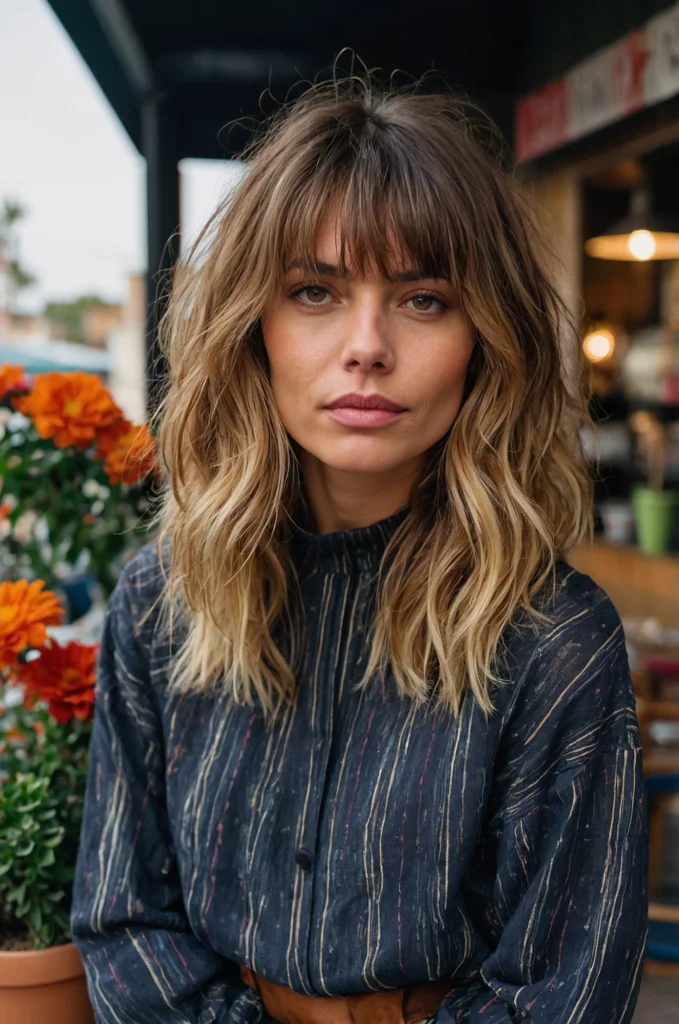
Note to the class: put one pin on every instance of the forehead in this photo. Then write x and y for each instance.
(364, 230)
(334, 232)
(333, 250)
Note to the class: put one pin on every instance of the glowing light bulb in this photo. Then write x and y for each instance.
(599, 344)
(642, 245)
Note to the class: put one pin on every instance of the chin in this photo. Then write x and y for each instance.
(375, 457)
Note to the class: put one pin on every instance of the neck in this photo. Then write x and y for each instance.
(345, 500)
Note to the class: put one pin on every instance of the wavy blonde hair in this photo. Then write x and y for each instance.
(504, 494)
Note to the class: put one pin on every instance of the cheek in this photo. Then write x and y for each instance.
(293, 366)
(293, 371)
(443, 373)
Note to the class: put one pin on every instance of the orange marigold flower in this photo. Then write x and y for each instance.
(11, 379)
(109, 439)
(25, 610)
(129, 453)
(65, 678)
(70, 407)
(14, 734)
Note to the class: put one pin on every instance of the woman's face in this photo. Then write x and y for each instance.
(327, 336)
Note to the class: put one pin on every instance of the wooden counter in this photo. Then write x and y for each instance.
(640, 586)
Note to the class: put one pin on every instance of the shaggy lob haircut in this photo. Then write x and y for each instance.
(504, 494)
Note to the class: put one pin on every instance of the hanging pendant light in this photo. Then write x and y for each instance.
(599, 344)
(640, 236)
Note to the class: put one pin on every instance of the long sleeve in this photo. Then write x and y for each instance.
(563, 898)
(143, 963)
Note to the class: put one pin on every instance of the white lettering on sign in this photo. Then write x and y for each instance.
(638, 70)
(662, 75)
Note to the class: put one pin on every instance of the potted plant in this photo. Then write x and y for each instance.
(76, 482)
(47, 694)
(654, 507)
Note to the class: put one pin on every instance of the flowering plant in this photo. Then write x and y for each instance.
(46, 709)
(76, 478)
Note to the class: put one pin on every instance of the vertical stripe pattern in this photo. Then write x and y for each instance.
(363, 842)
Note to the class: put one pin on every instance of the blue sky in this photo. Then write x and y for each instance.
(64, 155)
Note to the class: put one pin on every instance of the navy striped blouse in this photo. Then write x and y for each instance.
(363, 842)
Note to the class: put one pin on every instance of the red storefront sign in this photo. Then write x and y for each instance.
(636, 71)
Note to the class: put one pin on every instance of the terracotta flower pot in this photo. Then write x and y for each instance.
(46, 985)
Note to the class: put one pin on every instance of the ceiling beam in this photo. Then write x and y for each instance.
(84, 28)
(126, 44)
(207, 66)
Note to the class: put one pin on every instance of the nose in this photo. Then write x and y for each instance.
(367, 340)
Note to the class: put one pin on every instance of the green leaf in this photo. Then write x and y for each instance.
(35, 917)
(54, 841)
(47, 859)
(17, 895)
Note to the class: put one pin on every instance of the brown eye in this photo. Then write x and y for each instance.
(314, 294)
(424, 303)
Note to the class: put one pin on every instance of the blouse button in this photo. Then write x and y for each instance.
(303, 858)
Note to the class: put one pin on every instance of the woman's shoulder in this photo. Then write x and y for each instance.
(577, 634)
(569, 708)
(574, 610)
(572, 665)
(576, 599)
(138, 591)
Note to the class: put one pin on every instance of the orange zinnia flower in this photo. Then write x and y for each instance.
(11, 379)
(129, 453)
(69, 407)
(25, 610)
(65, 678)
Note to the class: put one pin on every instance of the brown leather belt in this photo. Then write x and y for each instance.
(410, 1005)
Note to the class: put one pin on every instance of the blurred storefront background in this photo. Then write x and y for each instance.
(598, 145)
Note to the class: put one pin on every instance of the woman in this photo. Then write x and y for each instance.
(365, 747)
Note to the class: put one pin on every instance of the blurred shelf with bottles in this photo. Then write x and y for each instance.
(630, 336)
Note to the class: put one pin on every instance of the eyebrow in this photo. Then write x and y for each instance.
(331, 270)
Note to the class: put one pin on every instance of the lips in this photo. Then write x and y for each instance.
(357, 401)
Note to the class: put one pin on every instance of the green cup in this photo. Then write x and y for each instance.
(654, 518)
